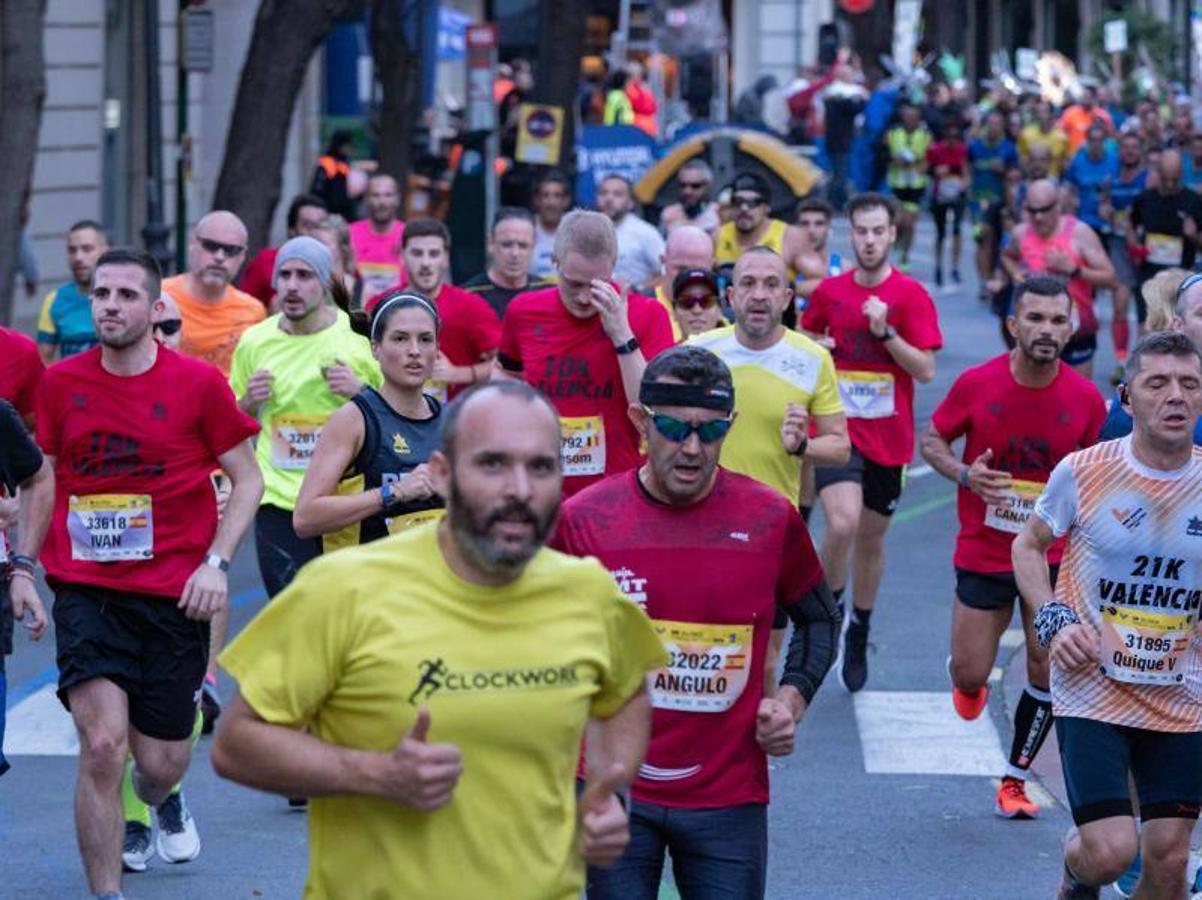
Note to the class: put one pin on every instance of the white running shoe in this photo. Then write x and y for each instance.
(178, 841)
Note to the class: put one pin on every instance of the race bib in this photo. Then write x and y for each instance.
(294, 438)
(867, 395)
(437, 390)
(582, 447)
(1144, 647)
(378, 277)
(1012, 515)
(708, 666)
(949, 189)
(110, 527)
(397, 524)
(1164, 249)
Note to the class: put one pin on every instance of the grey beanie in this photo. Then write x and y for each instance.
(310, 251)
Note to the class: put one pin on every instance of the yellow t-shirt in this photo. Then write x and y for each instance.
(667, 304)
(301, 401)
(510, 675)
(727, 250)
(1055, 140)
(795, 370)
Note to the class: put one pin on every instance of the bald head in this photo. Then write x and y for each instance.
(1168, 168)
(758, 257)
(688, 247)
(1039, 161)
(166, 311)
(215, 254)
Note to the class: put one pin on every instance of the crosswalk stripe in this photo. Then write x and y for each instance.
(39, 726)
(919, 733)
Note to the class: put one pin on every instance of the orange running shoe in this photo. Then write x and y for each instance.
(969, 706)
(1013, 802)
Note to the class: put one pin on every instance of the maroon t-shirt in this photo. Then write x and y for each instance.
(120, 440)
(21, 370)
(573, 362)
(710, 576)
(1029, 430)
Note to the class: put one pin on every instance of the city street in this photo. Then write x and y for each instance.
(888, 794)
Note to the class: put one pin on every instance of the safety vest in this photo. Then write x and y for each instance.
(333, 167)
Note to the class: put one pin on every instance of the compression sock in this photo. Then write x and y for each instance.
(860, 616)
(1032, 723)
(134, 809)
(1120, 332)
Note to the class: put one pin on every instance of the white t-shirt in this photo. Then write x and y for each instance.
(544, 246)
(640, 248)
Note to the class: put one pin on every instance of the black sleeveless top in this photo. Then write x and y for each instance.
(393, 446)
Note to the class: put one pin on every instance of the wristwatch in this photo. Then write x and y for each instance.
(388, 496)
(217, 562)
(629, 347)
(890, 334)
(801, 448)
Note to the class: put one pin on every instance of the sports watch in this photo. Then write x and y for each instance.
(217, 562)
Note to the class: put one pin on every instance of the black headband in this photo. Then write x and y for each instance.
(662, 393)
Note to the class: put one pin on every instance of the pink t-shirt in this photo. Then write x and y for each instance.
(377, 255)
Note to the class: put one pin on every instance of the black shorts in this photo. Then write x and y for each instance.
(1080, 349)
(1165, 765)
(144, 645)
(882, 485)
(910, 197)
(990, 590)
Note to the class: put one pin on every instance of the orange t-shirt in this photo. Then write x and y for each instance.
(211, 329)
(1075, 122)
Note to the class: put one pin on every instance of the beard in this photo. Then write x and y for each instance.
(471, 528)
(127, 337)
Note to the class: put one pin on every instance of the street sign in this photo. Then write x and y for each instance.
(540, 133)
(1026, 60)
(906, 16)
(196, 37)
(481, 43)
(1115, 36)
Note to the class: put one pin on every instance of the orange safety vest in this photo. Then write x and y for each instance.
(332, 167)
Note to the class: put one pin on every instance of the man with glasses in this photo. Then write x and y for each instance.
(712, 557)
(166, 322)
(693, 183)
(1054, 243)
(753, 226)
(687, 247)
(214, 312)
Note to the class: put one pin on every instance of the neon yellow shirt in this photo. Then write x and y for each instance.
(300, 401)
(510, 675)
(794, 370)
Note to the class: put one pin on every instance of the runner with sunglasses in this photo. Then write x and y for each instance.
(1053, 243)
(711, 556)
(385, 436)
(695, 304)
(693, 183)
(754, 226)
(687, 247)
(214, 312)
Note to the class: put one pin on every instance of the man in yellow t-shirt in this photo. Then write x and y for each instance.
(437, 727)
(753, 226)
(292, 372)
(214, 313)
(1044, 132)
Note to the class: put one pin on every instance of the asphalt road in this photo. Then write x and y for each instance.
(887, 794)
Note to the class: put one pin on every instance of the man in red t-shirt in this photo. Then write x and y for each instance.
(135, 554)
(21, 369)
(1019, 414)
(469, 329)
(710, 556)
(585, 343)
(882, 330)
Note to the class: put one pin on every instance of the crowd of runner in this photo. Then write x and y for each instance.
(540, 581)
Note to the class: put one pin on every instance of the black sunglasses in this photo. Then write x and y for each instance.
(747, 202)
(695, 301)
(678, 431)
(169, 326)
(1039, 210)
(212, 246)
(692, 185)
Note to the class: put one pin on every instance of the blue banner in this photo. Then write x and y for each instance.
(611, 150)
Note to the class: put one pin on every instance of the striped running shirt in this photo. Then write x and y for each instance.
(1132, 570)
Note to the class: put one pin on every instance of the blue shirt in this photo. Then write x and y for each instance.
(988, 184)
(1089, 176)
(66, 321)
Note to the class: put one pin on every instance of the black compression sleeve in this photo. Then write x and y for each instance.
(812, 645)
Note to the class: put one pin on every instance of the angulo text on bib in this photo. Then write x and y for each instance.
(708, 666)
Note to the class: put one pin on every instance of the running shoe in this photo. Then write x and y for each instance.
(210, 706)
(1013, 802)
(853, 673)
(298, 803)
(939, 278)
(1125, 886)
(178, 841)
(137, 850)
(969, 706)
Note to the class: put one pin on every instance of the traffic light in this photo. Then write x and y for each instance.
(828, 44)
(697, 86)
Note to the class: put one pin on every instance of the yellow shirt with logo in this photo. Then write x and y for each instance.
(510, 675)
(727, 249)
(301, 401)
(794, 370)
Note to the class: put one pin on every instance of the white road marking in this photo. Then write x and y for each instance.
(918, 471)
(1012, 637)
(996, 674)
(39, 726)
(919, 733)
